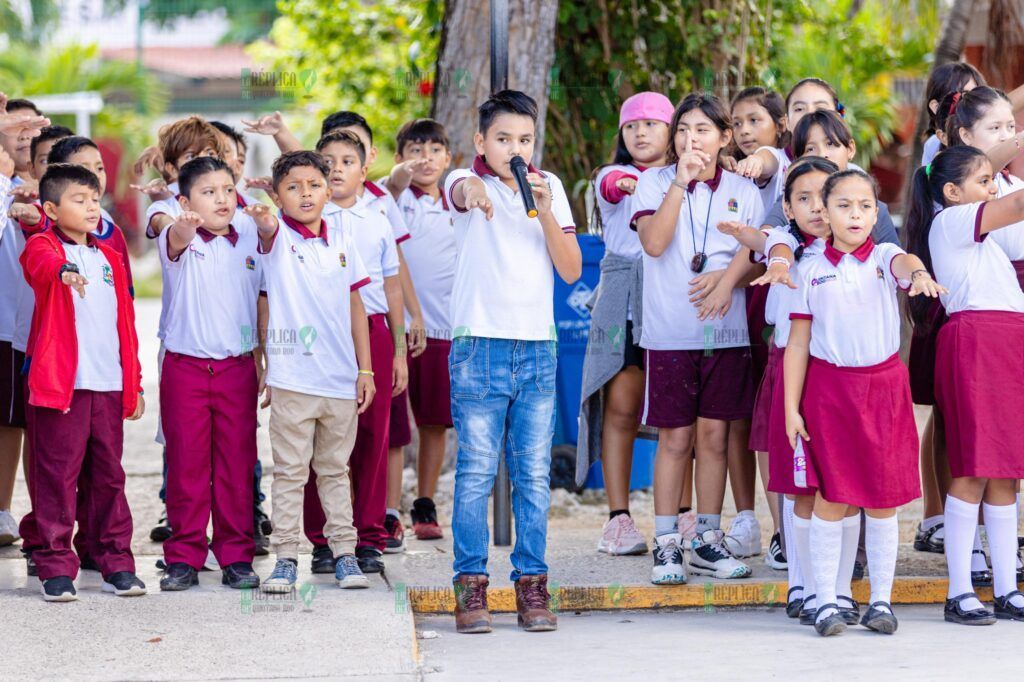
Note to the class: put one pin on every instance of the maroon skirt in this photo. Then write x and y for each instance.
(979, 385)
(921, 360)
(863, 447)
(758, 330)
(771, 383)
(781, 467)
(1018, 265)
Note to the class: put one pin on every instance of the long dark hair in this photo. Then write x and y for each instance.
(712, 108)
(803, 166)
(946, 79)
(831, 124)
(770, 101)
(950, 165)
(969, 108)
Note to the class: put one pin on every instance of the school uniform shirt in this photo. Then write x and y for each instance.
(772, 190)
(504, 279)
(782, 299)
(11, 279)
(616, 209)
(884, 231)
(380, 200)
(932, 146)
(214, 284)
(973, 266)
(372, 236)
(430, 253)
(850, 299)
(308, 278)
(99, 361)
(670, 321)
(172, 209)
(1010, 238)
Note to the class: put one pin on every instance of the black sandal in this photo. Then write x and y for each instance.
(1006, 610)
(982, 578)
(925, 540)
(807, 614)
(954, 613)
(832, 624)
(879, 619)
(851, 613)
(794, 606)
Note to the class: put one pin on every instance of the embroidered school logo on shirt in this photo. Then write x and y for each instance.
(296, 252)
(199, 254)
(734, 205)
(342, 260)
(108, 275)
(822, 280)
(879, 272)
(250, 263)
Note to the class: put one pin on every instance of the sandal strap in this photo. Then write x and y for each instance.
(1010, 595)
(933, 530)
(792, 589)
(881, 603)
(853, 602)
(966, 595)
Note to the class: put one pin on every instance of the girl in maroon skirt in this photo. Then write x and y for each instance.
(979, 371)
(844, 377)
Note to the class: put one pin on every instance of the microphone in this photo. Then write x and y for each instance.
(518, 167)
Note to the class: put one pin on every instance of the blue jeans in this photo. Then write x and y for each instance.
(503, 403)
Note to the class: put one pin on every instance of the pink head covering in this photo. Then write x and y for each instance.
(646, 105)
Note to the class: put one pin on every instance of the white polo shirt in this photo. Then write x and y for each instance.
(781, 299)
(1010, 238)
(309, 340)
(11, 277)
(504, 278)
(171, 208)
(214, 285)
(99, 353)
(371, 233)
(972, 266)
(379, 200)
(670, 321)
(618, 237)
(430, 254)
(851, 301)
(772, 191)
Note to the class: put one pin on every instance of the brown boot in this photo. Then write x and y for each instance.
(471, 614)
(532, 604)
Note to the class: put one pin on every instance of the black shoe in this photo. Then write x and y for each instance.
(858, 570)
(925, 540)
(61, 588)
(240, 576)
(1006, 610)
(369, 560)
(807, 614)
(124, 584)
(395, 543)
(260, 541)
(832, 624)
(30, 563)
(179, 576)
(953, 613)
(794, 606)
(261, 519)
(161, 531)
(982, 578)
(89, 564)
(850, 609)
(775, 558)
(323, 560)
(880, 619)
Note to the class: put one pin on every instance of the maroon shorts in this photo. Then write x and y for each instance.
(12, 395)
(430, 385)
(682, 385)
(759, 330)
(770, 383)
(399, 434)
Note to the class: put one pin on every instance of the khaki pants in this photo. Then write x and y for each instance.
(308, 430)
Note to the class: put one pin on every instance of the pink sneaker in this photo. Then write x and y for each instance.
(620, 536)
(687, 525)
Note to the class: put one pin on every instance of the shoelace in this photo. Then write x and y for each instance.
(284, 569)
(472, 596)
(668, 552)
(350, 564)
(535, 595)
(715, 551)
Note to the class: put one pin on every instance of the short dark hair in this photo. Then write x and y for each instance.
(803, 166)
(344, 137)
(712, 108)
(345, 119)
(420, 130)
(770, 101)
(824, 85)
(831, 124)
(190, 172)
(506, 102)
(297, 159)
(59, 176)
(67, 147)
(966, 110)
(943, 81)
(231, 133)
(836, 178)
(47, 134)
(14, 104)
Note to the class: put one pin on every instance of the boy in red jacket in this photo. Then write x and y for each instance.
(81, 386)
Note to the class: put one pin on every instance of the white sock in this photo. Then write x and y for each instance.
(851, 538)
(961, 527)
(802, 540)
(826, 548)
(393, 512)
(793, 574)
(978, 562)
(882, 542)
(931, 522)
(1001, 522)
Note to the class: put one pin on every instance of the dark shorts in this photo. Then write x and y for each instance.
(12, 394)
(399, 433)
(634, 354)
(682, 385)
(430, 385)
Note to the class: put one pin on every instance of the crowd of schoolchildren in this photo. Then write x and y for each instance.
(747, 309)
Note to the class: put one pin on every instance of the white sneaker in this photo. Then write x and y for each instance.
(744, 536)
(709, 555)
(668, 560)
(620, 536)
(8, 529)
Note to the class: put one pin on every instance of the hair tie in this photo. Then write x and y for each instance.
(928, 171)
(841, 110)
(956, 101)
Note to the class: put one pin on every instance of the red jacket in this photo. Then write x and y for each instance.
(53, 340)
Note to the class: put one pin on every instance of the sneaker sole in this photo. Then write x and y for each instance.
(247, 584)
(629, 551)
(395, 550)
(736, 574)
(669, 579)
(133, 591)
(277, 589)
(354, 583)
(430, 535)
(774, 564)
(67, 596)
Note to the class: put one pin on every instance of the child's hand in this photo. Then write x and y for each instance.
(264, 390)
(750, 167)
(715, 304)
(728, 163)
(691, 162)
(732, 228)
(7, 166)
(189, 221)
(922, 283)
(777, 273)
(541, 192)
(364, 392)
(149, 158)
(11, 124)
(271, 124)
(409, 168)
(702, 285)
(25, 213)
(627, 185)
(75, 281)
(417, 337)
(264, 182)
(265, 220)
(140, 409)
(476, 197)
(25, 193)
(399, 376)
(155, 189)
(795, 428)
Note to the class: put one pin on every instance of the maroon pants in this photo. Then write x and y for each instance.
(89, 437)
(208, 408)
(369, 462)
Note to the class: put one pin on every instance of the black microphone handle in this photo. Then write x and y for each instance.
(519, 173)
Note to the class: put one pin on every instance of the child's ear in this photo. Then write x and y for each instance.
(183, 202)
(783, 125)
(941, 134)
(726, 137)
(170, 170)
(447, 159)
(363, 172)
(966, 136)
(851, 150)
(951, 192)
(371, 157)
(933, 105)
(787, 211)
(50, 209)
(478, 142)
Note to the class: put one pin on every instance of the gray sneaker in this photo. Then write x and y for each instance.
(347, 573)
(283, 577)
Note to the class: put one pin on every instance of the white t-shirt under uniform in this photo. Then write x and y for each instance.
(430, 254)
(99, 352)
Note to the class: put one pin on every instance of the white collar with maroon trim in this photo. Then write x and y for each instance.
(231, 236)
(90, 239)
(304, 231)
(711, 183)
(418, 194)
(373, 188)
(481, 168)
(861, 253)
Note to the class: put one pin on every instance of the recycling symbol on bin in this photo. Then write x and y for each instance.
(578, 298)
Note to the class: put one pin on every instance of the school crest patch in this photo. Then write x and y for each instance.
(342, 259)
(734, 206)
(250, 263)
(108, 275)
(879, 272)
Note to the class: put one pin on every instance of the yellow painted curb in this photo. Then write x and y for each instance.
(709, 595)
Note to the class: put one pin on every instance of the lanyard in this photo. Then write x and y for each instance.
(700, 258)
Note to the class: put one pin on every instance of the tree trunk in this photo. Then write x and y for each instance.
(462, 81)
